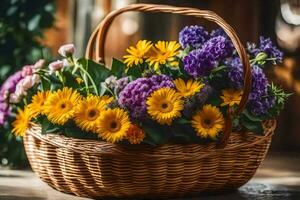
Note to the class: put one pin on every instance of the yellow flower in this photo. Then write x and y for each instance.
(88, 111)
(231, 97)
(107, 99)
(162, 53)
(22, 122)
(208, 122)
(79, 80)
(113, 124)
(36, 106)
(187, 89)
(60, 105)
(137, 53)
(135, 135)
(164, 105)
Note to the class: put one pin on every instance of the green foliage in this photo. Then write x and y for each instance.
(280, 99)
(22, 23)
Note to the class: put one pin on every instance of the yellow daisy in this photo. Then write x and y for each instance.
(22, 122)
(36, 106)
(88, 111)
(208, 122)
(189, 88)
(107, 99)
(113, 124)
(164, 105)
(60, 105)
(137, 53)
(162, 53)
(135, 135)
(231, 97)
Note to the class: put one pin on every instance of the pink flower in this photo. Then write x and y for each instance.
(39, 64)
(66, 50)
(27, 70)
(56, 65)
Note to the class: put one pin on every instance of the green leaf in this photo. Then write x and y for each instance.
(47, 126)
(70, 80)
(217, 69)
(134, 71)
(183, 121)
(117, 68)
(97, 71)
(155, 133)
(255, 127)
(250, 117)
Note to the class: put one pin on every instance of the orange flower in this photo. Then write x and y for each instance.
(135, 135)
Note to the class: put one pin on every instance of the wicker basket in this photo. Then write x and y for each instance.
(98, 169)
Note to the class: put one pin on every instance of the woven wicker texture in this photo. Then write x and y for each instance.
(98, 169)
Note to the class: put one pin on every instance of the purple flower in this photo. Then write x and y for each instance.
(266, 46)
(10, 84)
(197, 63)
(235, 73)
(218, 47)
(259, 102)
(134, 95)
(121, 84)
(262, 105)
(4, 112)
(218, 32)
(192, 36)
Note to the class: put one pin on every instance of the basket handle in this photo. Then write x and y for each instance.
(98, 37)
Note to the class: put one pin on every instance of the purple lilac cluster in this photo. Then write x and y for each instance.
(9, 86)
(266, 46)
(193, 36)
(259, 101)
(200, 62)
(134, 95)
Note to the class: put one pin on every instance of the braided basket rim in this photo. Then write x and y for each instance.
(170, 151)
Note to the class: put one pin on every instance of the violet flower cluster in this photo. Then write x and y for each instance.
(192, 36)
(265, 45)
(199, 62)
(259, 101)
(133, 97)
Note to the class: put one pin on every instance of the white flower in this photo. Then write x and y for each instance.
(111, 81)
(66, 63)
(35, 78)
(13, 98)
(66, 50)
(56, 65)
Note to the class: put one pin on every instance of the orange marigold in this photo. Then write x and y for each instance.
(135, 135)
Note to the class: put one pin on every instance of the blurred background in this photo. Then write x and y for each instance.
(30, 30)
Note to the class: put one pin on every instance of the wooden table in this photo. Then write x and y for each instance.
(277, 178)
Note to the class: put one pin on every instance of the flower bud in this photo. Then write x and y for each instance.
(56, 65)
(66, 50)
(39, 64)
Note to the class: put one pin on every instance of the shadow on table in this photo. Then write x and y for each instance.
(19, 193)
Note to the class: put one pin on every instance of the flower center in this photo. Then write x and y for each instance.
(207, 123)
(92, 114)
(166, 107)
(114, 126)
(63, 106)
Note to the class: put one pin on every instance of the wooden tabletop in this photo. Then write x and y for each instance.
(277, 178)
